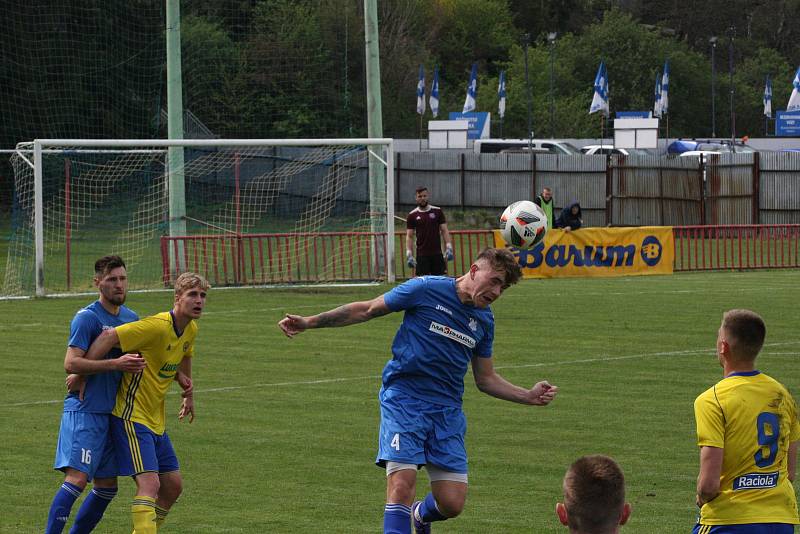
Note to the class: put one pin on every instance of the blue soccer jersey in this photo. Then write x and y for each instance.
(100, 393)
(435, 344)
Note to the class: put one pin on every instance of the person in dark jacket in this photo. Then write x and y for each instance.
(570, 218)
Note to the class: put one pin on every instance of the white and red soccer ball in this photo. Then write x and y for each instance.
(523, 224)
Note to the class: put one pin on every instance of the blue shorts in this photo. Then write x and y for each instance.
(748, 528)
(140, 450)
(85, 444)
(418, 432)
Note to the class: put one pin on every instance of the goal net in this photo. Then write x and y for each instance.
(240, 212)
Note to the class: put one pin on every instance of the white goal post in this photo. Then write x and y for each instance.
(257, 212)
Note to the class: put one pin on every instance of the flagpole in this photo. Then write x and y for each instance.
(420, 133)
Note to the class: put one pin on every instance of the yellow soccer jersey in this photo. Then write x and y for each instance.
(753, 418)
(140, 397)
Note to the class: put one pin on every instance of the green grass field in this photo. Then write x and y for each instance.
(286, 430)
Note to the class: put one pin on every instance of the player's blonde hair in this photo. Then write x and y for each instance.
(188, 281)
(594, 494)
(746, 333)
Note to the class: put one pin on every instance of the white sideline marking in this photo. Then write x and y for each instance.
(373, 377)
(15, 326)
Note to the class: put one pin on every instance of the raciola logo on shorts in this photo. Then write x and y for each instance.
(455, 335)
(755, 481)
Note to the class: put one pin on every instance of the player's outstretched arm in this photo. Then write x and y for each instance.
(491, 383)
(92, 361)
(347, 314)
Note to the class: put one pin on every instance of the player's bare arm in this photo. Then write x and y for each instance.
(185, 382)
(445, 235)
(488, 381)
(710, 472)
(92, 361)
(187, 405)
(345, 315)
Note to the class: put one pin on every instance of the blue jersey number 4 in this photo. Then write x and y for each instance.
(769, 431)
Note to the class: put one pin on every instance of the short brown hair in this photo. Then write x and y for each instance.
(106, 264)
(502, 259)
(190, 280)
(594, 494)
(421, 188)
(746, 331)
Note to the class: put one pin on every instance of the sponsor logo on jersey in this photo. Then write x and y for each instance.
(442, 308)
(755, 481)
(455, 335)
(168, 370)
(473, 324)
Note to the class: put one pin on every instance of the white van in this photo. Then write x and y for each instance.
(539, 146)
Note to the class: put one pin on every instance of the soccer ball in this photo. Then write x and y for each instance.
(523, 224)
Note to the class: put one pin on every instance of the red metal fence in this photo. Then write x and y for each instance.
(257, 259)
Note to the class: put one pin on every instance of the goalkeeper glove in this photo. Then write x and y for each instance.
(410, 259)
(448, 252)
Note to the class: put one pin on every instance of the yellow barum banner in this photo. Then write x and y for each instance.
(598, 252)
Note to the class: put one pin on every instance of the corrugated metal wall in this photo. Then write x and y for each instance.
(779, 188)
(761, 188)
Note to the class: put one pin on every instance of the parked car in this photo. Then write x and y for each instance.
(703, 153)
(724, 145)
(591, 150)
(552, 146)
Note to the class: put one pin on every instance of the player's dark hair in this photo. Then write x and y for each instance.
(106, 264)
(747, 332)
(502, 259)
(594, 494)
(421, 188)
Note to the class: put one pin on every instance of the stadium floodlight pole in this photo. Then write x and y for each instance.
(526, 41)
(713, 41)
(551, 38)
(177, 193)
(731, 33)
(377, 177)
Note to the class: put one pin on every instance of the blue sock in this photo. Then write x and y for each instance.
(92, 510)
(396, 519)
(61, 507)
(428, 510)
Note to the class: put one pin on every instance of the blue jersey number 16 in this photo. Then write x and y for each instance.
(767, 421)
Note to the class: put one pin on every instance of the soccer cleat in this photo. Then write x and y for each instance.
(419, 526)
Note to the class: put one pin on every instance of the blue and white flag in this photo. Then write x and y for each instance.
(421, 91)
(657, 105)
(472, 89)
(435, 93)
(794, 100)
(600, 99)
(768, 98)
(501, 94)
(663, 106)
